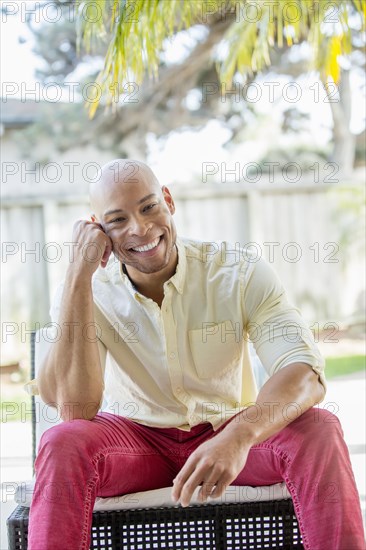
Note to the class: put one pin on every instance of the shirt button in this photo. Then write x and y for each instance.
(172, 355)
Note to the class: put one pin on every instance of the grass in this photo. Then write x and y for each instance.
(341, 366)
(16, 407)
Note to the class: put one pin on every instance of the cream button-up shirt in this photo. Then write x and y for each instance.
(187, 361)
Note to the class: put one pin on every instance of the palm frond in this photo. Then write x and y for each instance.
(138, 30)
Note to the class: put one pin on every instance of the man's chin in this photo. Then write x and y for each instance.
(147, 270)
(143, 265)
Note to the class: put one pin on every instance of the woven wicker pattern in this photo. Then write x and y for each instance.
(18, 528)
(258, 525)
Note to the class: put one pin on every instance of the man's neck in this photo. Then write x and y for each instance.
(151, 285)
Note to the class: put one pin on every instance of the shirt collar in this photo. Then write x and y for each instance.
(127, 281)
(177, 279)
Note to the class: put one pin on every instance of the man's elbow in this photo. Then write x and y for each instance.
(46, 382)
(309, 381)
(317, 389)
(79, 411)
(69, 409)
(45, 391)
(81, 407)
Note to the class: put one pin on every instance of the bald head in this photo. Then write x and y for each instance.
(118, 176)
(135, 212)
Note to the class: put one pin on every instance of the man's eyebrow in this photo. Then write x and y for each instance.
(119, 210)
(110, 212)
(147, 198)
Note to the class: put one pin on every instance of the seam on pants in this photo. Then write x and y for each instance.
(101, 455)
(297, 507)
(85, 534)
(107, 451)
(284, 456)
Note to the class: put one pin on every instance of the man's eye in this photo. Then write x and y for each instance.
(117, 220)
(149, 206)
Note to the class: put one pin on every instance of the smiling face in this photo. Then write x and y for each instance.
(136, 213)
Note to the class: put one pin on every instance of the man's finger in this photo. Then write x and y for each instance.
(197, 477)
(181, 478)
(215, 484)
(206, 490)
(221, 485)
(106, 254)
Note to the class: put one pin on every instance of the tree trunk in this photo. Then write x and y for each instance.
(344, 141)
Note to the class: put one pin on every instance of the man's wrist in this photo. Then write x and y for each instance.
(246, 426)
(78, 273)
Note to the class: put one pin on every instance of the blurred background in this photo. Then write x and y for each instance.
(272, 159)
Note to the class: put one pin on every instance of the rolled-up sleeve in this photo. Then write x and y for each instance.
(275, 327)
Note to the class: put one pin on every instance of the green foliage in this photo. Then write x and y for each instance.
(160, 104)
(137, 30)
(350, 215)
(343, 366)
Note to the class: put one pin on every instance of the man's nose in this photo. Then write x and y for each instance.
(139, 227)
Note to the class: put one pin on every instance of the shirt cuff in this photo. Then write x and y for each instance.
(31, 387)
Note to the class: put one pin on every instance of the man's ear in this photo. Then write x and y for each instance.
(168, 199)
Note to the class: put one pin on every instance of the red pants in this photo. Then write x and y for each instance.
(112, 455)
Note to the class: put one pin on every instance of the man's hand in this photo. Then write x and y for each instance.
(218, 461)
(93, 246)
(215, 463)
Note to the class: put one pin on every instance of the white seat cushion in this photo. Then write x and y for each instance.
(162, 497)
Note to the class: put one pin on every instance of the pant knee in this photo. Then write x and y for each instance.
(320, 426)
(65, 440)
(324, 416)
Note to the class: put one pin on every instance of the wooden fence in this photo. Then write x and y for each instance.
(310, 234)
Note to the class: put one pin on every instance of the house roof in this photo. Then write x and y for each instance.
(16, 113)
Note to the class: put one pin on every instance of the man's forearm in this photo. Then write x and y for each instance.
(72, 375)
(285, 396)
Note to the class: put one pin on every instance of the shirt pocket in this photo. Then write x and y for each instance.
(215, 348)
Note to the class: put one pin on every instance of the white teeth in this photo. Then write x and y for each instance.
(147, 246)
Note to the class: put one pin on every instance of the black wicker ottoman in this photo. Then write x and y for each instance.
(255, 525)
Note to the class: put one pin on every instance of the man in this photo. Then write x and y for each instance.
(174, 317)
